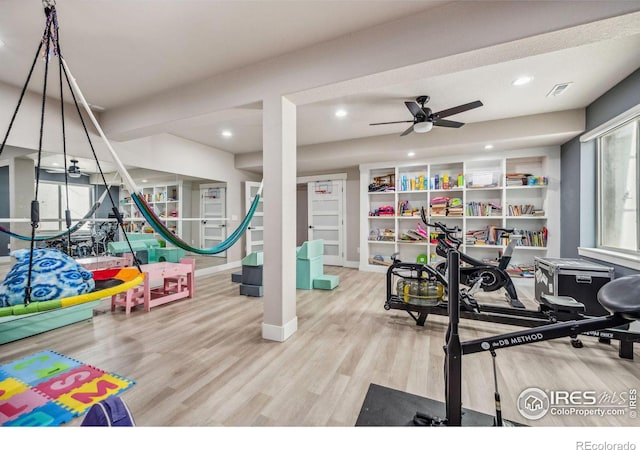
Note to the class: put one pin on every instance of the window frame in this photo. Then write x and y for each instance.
(599, 152)
(61, 200)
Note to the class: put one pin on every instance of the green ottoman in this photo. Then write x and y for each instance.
(167, 254)
(327, 282)
(307, 270)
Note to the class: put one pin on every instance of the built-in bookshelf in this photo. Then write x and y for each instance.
(479, 196)
(166, 201)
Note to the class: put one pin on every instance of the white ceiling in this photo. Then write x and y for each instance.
(124, 51)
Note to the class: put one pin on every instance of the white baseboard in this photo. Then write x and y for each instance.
(351, 264)
(5, 259)
(215, 269)
(279, 333)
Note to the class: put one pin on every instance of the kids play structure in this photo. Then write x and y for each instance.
(105, 283)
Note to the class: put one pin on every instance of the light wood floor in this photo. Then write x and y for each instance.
(202, 362)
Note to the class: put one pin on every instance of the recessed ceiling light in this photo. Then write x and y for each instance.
(341, 113)
(56, 164)
(521, 81)
(411, 154)
(144, 181)
(488, 147)
(227, 133)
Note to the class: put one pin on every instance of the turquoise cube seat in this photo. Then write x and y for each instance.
(138, 241)
(309, 263)
(326, 282)
(165, 254)
(253, 259)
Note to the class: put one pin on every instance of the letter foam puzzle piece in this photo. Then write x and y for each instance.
(92, 392)
(68, 381)
(49, 415)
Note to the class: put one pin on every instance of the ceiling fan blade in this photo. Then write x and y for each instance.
(447, 123)
(414, 108)
(54, 170)
(387, 123)
(459, 109)
(407, 131)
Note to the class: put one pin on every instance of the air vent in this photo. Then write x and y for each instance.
(559, 89)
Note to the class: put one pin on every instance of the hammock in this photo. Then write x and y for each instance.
(141, 204)
(160, 228)
(110, 281)
(70, 230)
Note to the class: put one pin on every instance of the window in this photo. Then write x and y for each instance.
(53, 203)
(618, 199)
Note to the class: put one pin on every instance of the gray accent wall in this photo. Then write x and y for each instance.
(105, 208)
(577, 174)
(570, 198)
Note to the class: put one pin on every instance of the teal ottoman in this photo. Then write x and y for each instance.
(327, 282)
(167, 254)
(307, 270)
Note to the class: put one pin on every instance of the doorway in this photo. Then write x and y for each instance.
(321, 214)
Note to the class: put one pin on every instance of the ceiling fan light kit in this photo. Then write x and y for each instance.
(73, 171)
(423, 127)
(424, 120)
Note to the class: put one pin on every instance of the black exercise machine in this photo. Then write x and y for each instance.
(621, 297)
(413, 280)
(484, 276)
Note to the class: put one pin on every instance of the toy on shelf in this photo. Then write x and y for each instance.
(386, 210)
(386, 235)
(405, 209)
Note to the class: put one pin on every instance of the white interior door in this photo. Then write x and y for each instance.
(255, 232)
(326, 218)
(213, 205)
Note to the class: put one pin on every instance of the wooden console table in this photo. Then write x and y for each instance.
(151, 295)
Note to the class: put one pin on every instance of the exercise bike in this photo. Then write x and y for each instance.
(619, 297)
(480, 275)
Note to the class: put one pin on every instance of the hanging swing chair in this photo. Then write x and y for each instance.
(104, 283)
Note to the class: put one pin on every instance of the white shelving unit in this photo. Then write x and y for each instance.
(166, 200)
(478, 181)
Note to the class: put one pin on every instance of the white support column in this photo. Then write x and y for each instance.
(279, 172)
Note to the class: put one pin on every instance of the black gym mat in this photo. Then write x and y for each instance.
(386, 407)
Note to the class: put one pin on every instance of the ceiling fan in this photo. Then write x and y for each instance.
(424, 120)
(73, 170)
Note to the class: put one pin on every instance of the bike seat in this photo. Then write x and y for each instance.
(622, 296)
(562, 304)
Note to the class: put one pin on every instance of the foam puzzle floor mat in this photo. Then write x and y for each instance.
(49, 389)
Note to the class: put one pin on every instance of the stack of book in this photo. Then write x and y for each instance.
(412, 235)
(455, 208)
(476, 237)
(438, 206)
(475, 209)
(524, 210)
(517, 179)
(534, 238)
